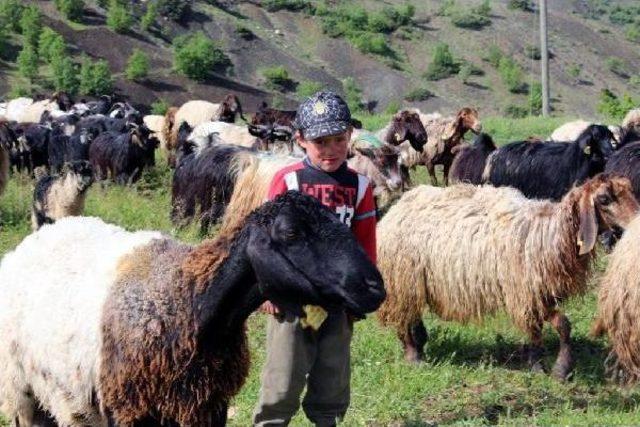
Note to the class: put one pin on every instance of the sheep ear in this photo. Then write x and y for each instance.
(588, 225)
(368, 152)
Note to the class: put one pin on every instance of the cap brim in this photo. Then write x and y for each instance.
(325, 129)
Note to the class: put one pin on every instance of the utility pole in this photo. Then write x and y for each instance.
(545, 58)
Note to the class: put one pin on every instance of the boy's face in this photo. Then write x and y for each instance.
(327, 152)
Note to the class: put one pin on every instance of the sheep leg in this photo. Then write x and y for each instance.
(535, 351)
(564, 361)
(432, 173)
(413, 341)
(445, 171)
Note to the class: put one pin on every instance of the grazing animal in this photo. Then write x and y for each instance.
(206, 179)
(548, 170)
(571, 131)
(467, 251)
(442, 135)
(266, 115)
(630, 129)
(618, 302)
(404, 126)
(122, 328)
(16, 109)
(63, 148)
(4, 165)
(122, 156)
(380, 165)
(251, 136)
(58, 196)
(470, 160)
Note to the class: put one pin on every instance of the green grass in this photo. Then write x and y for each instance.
(474, 374)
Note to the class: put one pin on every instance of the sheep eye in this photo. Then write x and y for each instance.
(604, 199)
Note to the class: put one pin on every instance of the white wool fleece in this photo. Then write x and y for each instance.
(52, 290)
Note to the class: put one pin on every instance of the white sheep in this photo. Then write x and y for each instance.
(570, 131)
(155, 123)
(16, 109)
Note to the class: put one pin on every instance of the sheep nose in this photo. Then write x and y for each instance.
(394, 182)
(478, 127)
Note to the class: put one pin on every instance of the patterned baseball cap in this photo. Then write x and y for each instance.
(324, 114)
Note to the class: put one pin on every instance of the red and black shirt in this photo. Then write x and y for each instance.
(344, 191)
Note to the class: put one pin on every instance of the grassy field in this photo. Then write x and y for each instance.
(474, 374)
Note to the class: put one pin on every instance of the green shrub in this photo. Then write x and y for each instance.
(442, 65)
(292, 5)
(418, 94)
(574, 71)
(484, 9)
(160, 107)
(196, 54)
(535, 99)
(390, 19)
(31, 25)
(446, 8)
(617, 66)
(621, 15)
(70, 9)
(95, 78)
(175, 10)
(493, 55)
(149, 17)
(632, 32)
(515, 111)
(137, 65)
(511, 74)
(10, 13)
(244, 32)
(372, 43)
(50, 45)
(532, 52)
(352, 94)
(465, 73)
(276, 78)
(307, 88)
(635, 81)
(118, 17)
(28, 62)
(524, 5)
(613, 107)
(18, 90)
(65, 75)
(469, 20)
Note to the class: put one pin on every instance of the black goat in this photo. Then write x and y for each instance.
(470, 160)
(63, 148)
(548, 170)
(122, 156)
(205, 178)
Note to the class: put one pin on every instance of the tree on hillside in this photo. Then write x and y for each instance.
(71, 9)
(137, 65)
(28, 62)
(196, 54)
(31, 25)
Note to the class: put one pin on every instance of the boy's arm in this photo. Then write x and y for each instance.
(364, 224)
(278, 186)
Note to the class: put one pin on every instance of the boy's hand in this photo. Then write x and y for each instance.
(269, 308)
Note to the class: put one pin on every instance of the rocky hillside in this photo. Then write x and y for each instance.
(592, 43)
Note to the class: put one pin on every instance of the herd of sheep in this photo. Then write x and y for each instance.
(150, 330)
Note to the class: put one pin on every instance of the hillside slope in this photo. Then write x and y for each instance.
(296, 41)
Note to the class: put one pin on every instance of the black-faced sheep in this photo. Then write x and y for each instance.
(108, 327)
(442, 135)
(470, 160)
(122, 156)
(58, 196)
(548, 170)
(467, 251)
(618, 303)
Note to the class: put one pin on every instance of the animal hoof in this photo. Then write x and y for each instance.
(413, 357)
(561, 371)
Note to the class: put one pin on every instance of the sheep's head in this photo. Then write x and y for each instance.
(302, 254)
(596, 142)
(63, 100)
(229, 108)
(407, 126)
(468, 119)
(606, 203)
(81, 171)
(386, 161)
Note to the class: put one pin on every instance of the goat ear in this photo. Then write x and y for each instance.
(588, 224)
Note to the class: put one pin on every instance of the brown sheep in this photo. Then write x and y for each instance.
(468, 251)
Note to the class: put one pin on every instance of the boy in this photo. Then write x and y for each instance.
(295, 355)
